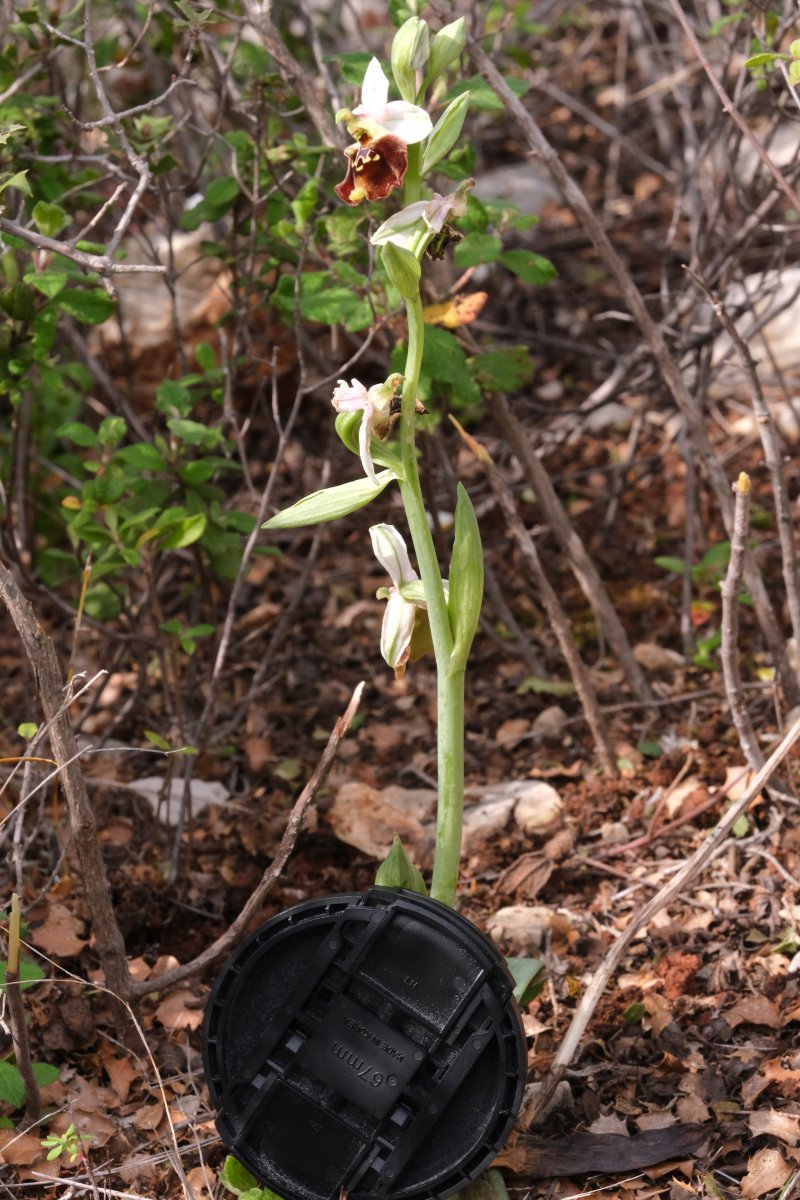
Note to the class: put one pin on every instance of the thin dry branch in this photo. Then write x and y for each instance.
(50, 686)
(680, 881)
(729, 648)
(226, 941)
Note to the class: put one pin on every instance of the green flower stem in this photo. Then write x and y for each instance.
(450, 683)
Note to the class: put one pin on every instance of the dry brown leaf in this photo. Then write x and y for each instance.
(122, 1072)
(754, 1010)
(605, 1153)
(203, 1182)
(148, 1116)
(180, 1011)
(60, 933)
(781, 1125)
(653, 657)
(512, 732)
(611, 1123)
(526, 877)
(21, 1149)
(767, 1170)
(692, 1110)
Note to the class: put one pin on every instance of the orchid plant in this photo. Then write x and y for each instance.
(396, 145)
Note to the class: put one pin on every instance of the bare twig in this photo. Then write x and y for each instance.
(729, 647)
(91, 262)
(225, 942)
(687, 874)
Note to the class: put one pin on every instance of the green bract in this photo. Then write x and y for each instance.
(330, 503)
(409, 55)
(466, 580)
(403, 269)
(446, 132)
(347, 427)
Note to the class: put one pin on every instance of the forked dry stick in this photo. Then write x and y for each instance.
(687, 874)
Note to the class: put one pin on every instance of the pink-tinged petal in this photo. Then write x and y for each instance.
(437, 210)
(373, 169)
(374, 92)
(349, 398)
(406, 121)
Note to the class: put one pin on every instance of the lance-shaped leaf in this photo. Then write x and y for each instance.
(446, 132)
(397, 871)
(403, 269)
(466, 580)
(330, 503)
(347, 427)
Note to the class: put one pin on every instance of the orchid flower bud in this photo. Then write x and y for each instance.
(446, 47)
(409, 54)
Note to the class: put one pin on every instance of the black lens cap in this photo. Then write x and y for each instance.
(366, 1045)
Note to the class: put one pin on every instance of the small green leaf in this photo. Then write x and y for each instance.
(477, 248)
(650, 749)
(92, 307)
(29, 973)
(235, 1177)
(221, 193)
(668, 563)
(18, 181)
(143, 457)
(12, 1089)
(403, 269)
(742, 827)
(529, 978)
(79, 433)
(766, 58)
(550, 687)
(50, 219)
(186, 533)
(505, 370)
(794, 72)
(465, 593)
(397, 871)
(44, 1073)
(634, 1013)
(27, 730)
(330, 503)
(482, 96)
(530, 267)
(155, 739)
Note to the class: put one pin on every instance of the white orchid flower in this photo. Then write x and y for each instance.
(375, 406)
(400, 615)
(398, 117)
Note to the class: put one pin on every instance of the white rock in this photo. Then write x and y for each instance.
(520, 927)
(653, 657)
(538, 808)
(550, 723)
(485, 820)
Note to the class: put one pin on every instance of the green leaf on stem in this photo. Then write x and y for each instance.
(466, 580)
(330, 503)
(398, 871)
(403, 269)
